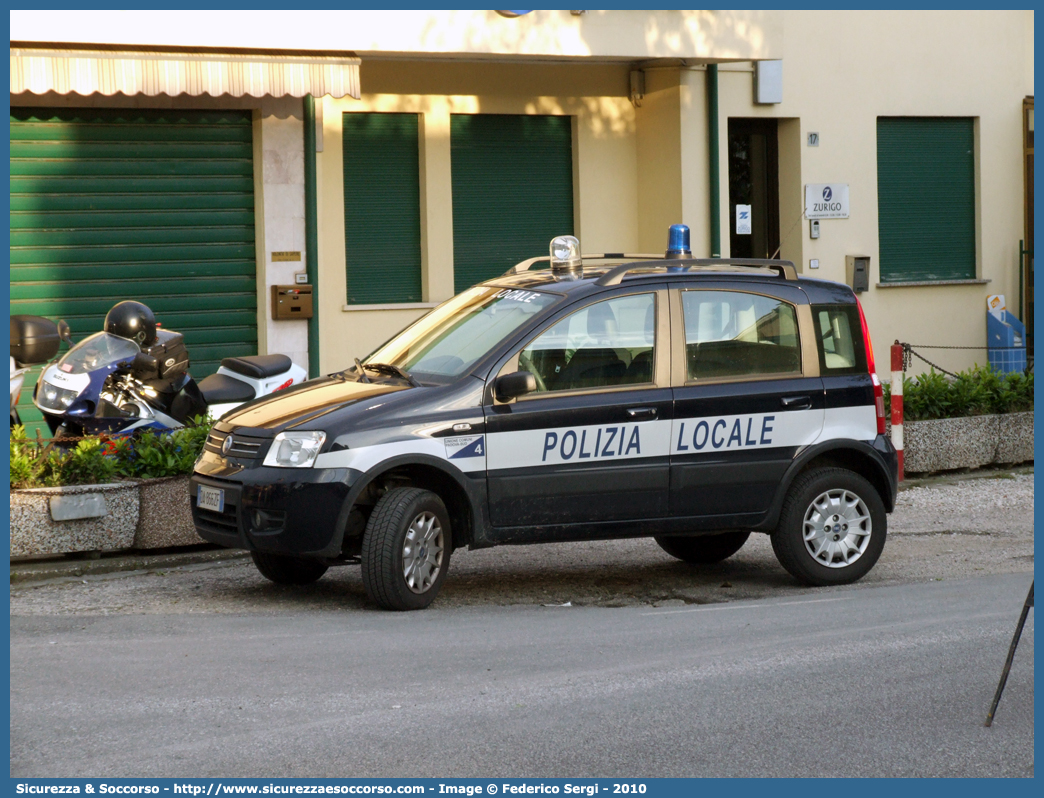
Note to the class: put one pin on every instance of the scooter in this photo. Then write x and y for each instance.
(109, 384)
(34, 340)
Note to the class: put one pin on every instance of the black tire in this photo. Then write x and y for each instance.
(384, 544)
(284, 570)
(788, 538)
(705, 549)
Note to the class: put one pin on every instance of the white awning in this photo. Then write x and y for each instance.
(194, 73)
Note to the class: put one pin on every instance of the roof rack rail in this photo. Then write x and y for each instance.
(526, 265)
(784, 268)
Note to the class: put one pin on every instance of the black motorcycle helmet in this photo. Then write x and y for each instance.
(132, 320)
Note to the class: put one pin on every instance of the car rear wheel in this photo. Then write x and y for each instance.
(706, 549)
(831, 529)
(406, 549)
(284, 570)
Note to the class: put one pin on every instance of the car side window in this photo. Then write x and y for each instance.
(736, 334)
(605, 344)
(839, 350)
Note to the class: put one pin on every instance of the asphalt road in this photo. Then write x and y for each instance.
(863, 681)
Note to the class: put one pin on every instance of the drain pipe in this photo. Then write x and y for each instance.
(712, 146)
(311, 233)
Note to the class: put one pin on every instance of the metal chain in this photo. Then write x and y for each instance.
(927, 346)
(907, 351)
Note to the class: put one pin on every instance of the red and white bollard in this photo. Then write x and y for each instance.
(897, 403)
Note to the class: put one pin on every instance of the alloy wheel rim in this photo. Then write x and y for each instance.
(837, 528)
(422, 552)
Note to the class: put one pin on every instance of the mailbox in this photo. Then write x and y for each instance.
(291, 302)
(857, 269)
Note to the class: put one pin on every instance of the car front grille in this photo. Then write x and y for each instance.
(242, 448)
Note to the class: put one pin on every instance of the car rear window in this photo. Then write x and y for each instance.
(730, 334)
(839, 339)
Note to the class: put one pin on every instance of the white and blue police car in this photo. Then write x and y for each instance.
(575, 398)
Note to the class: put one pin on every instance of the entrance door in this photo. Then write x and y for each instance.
(754, 183)
(152, 205)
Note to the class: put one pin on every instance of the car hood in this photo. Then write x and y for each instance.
(306, 402)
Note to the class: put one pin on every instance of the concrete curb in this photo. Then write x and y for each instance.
(25, 573)
(953, 477)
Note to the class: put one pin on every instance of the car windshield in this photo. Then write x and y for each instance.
(450, 339)
(97, 351)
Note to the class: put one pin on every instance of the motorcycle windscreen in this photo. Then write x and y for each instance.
(97, 351)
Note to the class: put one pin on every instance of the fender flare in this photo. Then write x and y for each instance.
(861, 448)
(474, 491)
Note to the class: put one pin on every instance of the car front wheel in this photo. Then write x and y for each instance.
(705, 549)
(406, 549)
(831, 529)
(284, 570)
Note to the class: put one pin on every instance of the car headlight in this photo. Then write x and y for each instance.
(295, 449)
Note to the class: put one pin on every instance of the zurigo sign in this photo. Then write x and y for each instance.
(826, 200)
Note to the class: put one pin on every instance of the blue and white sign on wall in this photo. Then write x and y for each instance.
(826, 201)
(742, 221)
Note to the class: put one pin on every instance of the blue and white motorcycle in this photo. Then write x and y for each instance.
(109, 384)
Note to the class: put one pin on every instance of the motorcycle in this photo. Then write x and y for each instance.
(109, 384)
(34, 340)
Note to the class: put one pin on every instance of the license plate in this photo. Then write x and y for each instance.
(210, 499)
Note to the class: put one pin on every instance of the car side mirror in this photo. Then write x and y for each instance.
(64, 332)
(511, 386)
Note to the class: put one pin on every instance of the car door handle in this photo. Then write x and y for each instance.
(796, 402)
(639, 413)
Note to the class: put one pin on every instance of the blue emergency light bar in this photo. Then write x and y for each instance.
(678, 242)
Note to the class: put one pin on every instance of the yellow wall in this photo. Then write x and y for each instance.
(842, 70)
(638, 170)
(605, 158)
(601, 34)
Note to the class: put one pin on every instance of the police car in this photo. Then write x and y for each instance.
(574, 398)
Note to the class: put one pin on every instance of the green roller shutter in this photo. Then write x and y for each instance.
(381, 208)
(152, 205)
(926, 198)
(512, 190)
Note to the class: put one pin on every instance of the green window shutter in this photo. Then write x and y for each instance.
(512, 190)
(152, 205)
(926, 198)
(382, 208)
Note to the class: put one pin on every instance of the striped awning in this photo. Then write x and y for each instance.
(193, 73)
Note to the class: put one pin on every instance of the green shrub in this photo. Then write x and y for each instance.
(975, 392)
(23, 459)
(95, 460)
(86, 464)
(166, 454)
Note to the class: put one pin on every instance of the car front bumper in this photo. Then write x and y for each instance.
(294, 511)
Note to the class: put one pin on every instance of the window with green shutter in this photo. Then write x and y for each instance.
(512, 190)
(926, 198)
(382, 208)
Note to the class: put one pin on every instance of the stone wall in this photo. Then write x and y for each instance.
(947, 444)
(34, 529)
(150, 514)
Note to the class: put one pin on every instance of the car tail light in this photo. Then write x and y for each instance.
(872, 368)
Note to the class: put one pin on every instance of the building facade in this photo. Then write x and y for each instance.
(167, 157)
